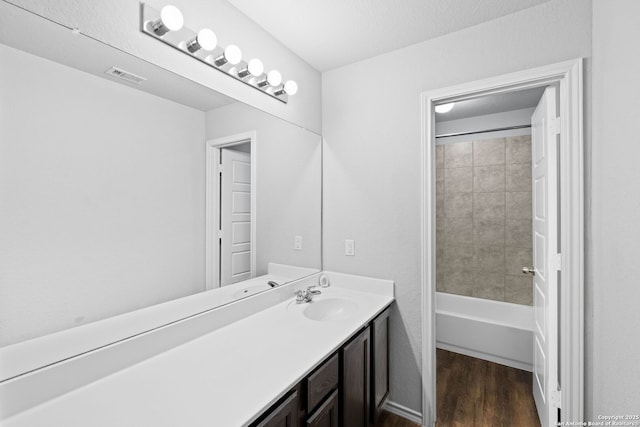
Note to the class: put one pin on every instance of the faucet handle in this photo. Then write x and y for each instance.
(312, 291)
(301, 295)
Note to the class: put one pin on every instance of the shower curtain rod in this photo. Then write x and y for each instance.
(445, 135)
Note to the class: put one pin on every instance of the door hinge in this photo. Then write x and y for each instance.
(555, 398)
(220, 168)
(555, 125)
(556, 262)
(219, 234)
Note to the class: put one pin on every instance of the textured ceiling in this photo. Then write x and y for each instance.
(332, 33)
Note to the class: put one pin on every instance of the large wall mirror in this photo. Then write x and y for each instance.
(110, 192)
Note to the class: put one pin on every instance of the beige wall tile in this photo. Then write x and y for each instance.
(458, 258)
(458, 205)
(458, 231)
(439, 199)
(517, 232)
(518, 177)
(489, 152)
(519, 205)
(489, 205)
(439, 156)
(518, 290)
(440, 259)
(516, 258)
(488, 231)
(488, 178)
(458, 180)
(458, 155)
(459, 282)
(440, 281)
(488, 259)
(484, 203)
(518, 149)
(488, 286)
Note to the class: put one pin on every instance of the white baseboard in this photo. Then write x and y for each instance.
(403, 411)
(485, 356)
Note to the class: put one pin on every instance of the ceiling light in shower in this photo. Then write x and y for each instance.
(232, 54)
(206, 40)
(170, 20)
(254, 68)
(445, 108)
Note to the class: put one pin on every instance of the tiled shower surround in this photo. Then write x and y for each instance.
(483, 210)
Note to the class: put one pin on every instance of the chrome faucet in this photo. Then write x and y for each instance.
(306, 295)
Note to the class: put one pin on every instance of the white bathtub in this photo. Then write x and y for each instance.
(497, 331)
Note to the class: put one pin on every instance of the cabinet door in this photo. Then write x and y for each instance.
(355, 381)
(283, 415)
(327, 414)
(379, 363)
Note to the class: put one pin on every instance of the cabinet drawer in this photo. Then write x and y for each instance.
(322, 381)
(327, 414)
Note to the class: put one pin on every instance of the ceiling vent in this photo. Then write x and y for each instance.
(125, 75)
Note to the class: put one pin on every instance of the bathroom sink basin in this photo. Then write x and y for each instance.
(330, 309)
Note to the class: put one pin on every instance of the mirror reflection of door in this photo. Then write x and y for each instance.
(235, 214)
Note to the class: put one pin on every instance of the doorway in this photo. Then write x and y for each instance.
(567, 269)
(231, 214)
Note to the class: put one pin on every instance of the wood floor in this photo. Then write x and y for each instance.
(476, 393)
(388, 419)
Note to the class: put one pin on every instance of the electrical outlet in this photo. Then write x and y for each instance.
(297, 243)
(349, 247)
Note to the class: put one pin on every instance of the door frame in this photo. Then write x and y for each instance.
(212, 192)
(569, 75)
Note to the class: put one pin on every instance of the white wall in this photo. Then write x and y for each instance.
(116, 22)
(614, 285)
(371, 126)
(288, 184)
(102, 198)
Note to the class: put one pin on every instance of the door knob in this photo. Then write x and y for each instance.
(529, 270)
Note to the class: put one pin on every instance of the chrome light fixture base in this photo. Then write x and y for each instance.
(181, 40)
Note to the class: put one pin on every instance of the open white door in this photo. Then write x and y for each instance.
(546, 258)
(235, 216)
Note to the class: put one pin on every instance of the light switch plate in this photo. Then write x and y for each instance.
(349, 247)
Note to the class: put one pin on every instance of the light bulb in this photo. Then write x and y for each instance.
(274, 78)
(232, 54)
(170, 20)
(256, 68)
(291, 87)
(206, 39)
(445, 108)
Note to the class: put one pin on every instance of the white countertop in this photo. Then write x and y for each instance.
(225, 378)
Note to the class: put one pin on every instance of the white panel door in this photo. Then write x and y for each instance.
(545, 258)
(235, 216)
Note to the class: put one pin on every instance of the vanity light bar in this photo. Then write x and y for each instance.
(167, 26)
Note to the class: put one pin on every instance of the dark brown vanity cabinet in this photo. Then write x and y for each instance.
(282, 414)
(356, 375)
(327, 414)
(379, 363)
(346, 390)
